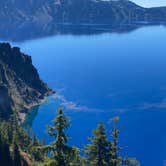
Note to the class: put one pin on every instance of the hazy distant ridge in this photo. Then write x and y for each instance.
(78, 11)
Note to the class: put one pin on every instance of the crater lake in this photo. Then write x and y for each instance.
(97, 76)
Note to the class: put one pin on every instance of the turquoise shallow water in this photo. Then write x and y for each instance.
(105, 75)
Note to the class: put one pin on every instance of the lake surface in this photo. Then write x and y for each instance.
(101, 76)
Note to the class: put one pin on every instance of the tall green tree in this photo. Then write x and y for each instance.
(5, 158)
(98, 151)
(114, 148)
(60, 151)
(16, 155)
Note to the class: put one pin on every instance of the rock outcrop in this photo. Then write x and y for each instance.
(20, 84)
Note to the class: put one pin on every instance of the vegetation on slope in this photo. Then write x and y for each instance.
(17, 148)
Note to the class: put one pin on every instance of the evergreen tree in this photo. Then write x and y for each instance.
(100, 152)
(16, 155)
(115, 159)
(97, 152)
(130, 162)
(1, 149)
(76, 160)
(36, 149)
(60, 151)
(5, 158)
(17, 133)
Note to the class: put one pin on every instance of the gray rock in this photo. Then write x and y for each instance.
(20, 84)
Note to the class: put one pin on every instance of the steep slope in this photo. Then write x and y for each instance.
(20, 85)
(96, 11)
(79, 11)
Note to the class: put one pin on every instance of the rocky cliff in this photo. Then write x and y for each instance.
(20, 84)
(79, 11)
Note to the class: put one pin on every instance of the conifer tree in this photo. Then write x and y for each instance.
(5, 158)
(16, 155)
(60, 151)
(97, 152)
(36, 149)
(1, 148)
(114, 149)
(76, 160)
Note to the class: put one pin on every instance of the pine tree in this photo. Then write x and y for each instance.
(97, 152)
(36, 149)
(114, 149)
(5, 158)
(130, 162)
(16, 155)
(61, 152)
(76, 160)
(1, 149)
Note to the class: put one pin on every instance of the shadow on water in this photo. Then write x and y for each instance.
(22, 31)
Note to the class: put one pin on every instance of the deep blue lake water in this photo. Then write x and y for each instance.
(101, 76)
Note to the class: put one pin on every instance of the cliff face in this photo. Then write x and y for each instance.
(79, 11)
(20, 85)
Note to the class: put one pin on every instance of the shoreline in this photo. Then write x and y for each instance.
(22, 114)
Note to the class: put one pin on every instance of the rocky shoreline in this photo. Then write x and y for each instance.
(23, 113)
(20, 85)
